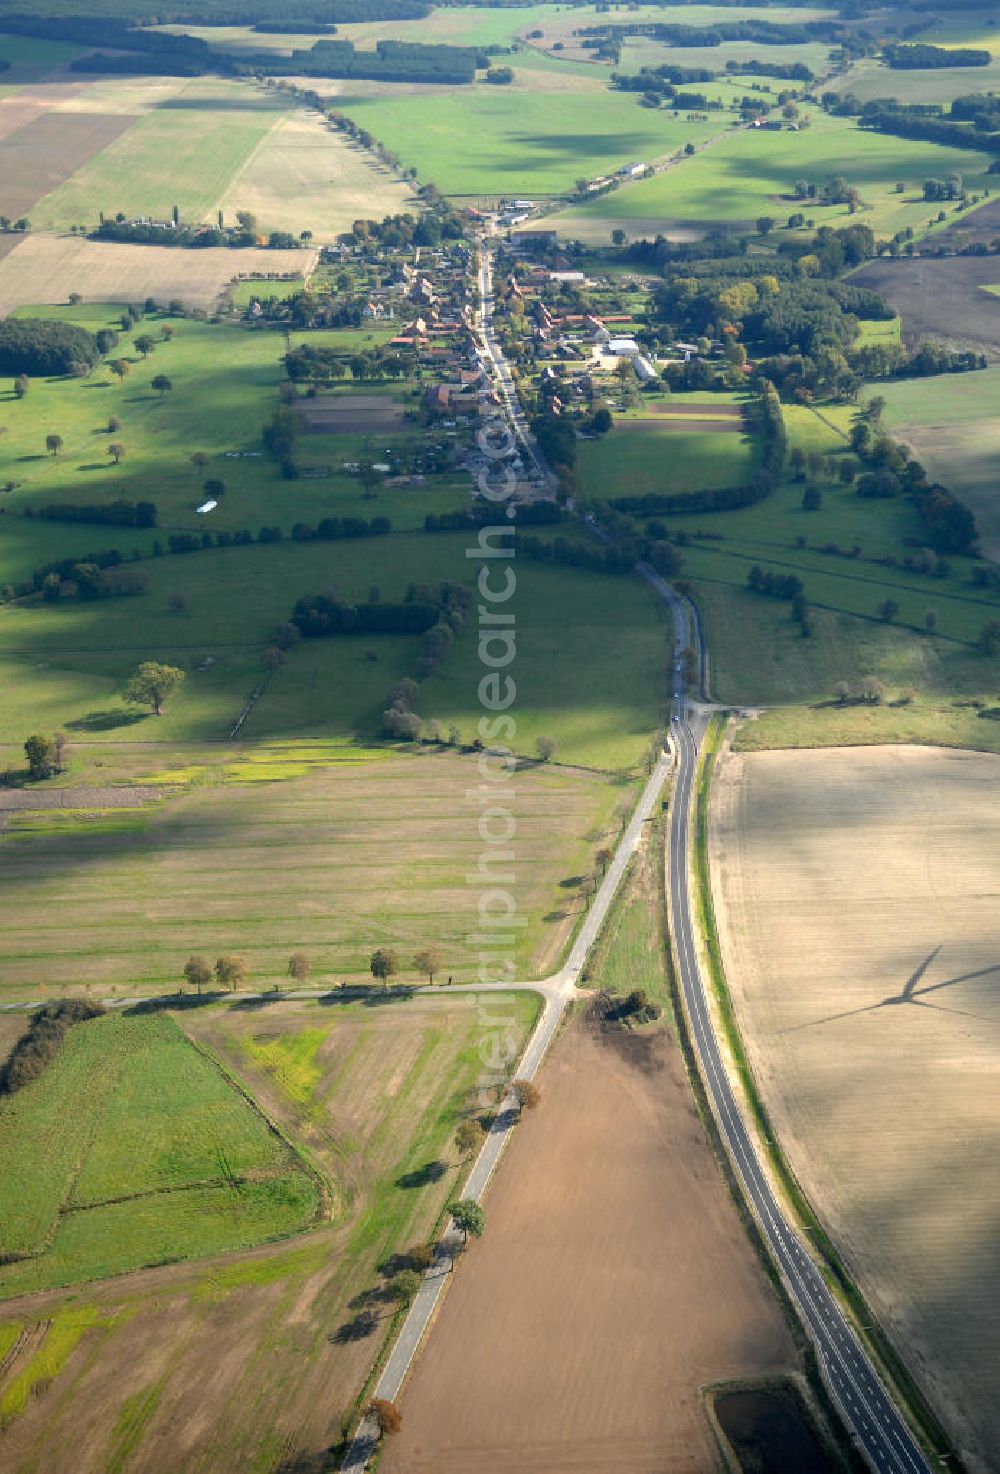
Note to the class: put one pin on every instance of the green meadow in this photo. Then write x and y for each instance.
(749, 172)
(131, 1148)
(644, 455)
(756, 649)
(536, 137)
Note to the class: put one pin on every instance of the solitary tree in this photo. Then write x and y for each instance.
(176, 603)
(468, 1217)
(41, 754)
(230, 971)
(469, 1137)
(383, 965)
(888, 609)
(988, 639)
(119, 367)
(387, 1416)
(545, 747)
(116, 451)
(526, 1093)
(215, 488)
(161, 384)
(428, 962)
(21, 386)
(405, 1287)
(144, 344)
(152, 684)
(114, 425)
(603, 858)
(765, 224)
(53, 444)
(199, 460)
(930, 621)
(197, 972)
(298, 967)
(420, 1256)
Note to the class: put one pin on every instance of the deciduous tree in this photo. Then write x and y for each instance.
(387, 1416)
(197, 972)
(298, 967)
(526, 1093)
(428, 961)
(152, 684)
(468, 1218)
(41, 754)
(469, 1137)
(230, 971)
(405, 1286)
(383, 964)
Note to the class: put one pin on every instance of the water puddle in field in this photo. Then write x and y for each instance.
(770, 1431)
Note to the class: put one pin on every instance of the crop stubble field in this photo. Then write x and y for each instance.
(244, 1362)
(857, 894)
(69, 149)
(366, 850)
(46, 268)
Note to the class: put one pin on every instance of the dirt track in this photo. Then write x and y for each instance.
(614, 1280)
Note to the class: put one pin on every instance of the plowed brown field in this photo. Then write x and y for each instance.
(614, 1280)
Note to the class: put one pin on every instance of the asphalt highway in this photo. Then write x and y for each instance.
(866, 1406)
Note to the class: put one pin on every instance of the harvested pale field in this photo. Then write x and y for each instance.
(249, 1361)
(46, 268)
(307, 176)
(47, 150)
(351, 414)
(614, 1280)
(858, 892)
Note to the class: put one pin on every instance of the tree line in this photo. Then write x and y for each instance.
(120, 513)
(921, 56)
(318, 615)
(49, 578)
